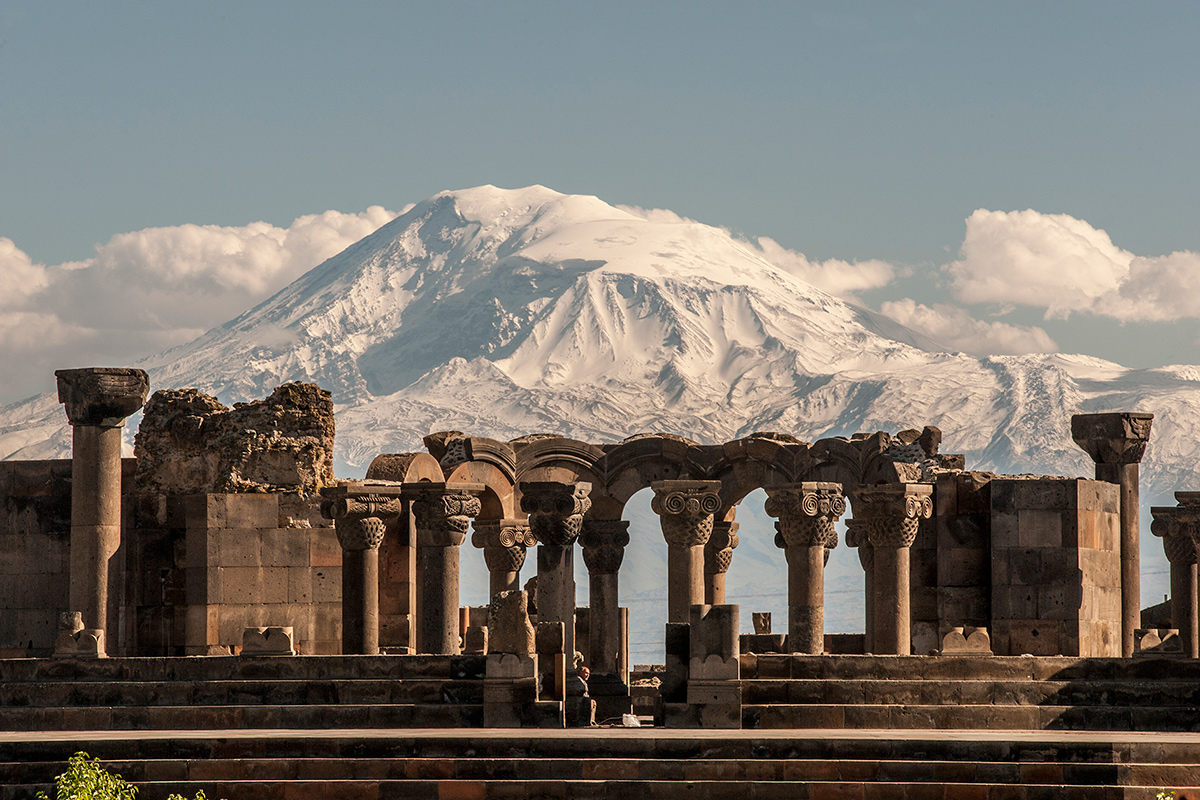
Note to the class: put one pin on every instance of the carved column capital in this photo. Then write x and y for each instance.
(503, 542)
(1179, 527)
(890, 514)
(101, 396)
(686, 509)
(718, 550)
(555, 509)
(1116, 438)
(360, 510)
(603, 542)
(443, 511)
(806, 513)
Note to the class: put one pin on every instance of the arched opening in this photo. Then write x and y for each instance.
(643, 581)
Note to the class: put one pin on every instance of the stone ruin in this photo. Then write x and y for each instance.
(228, 533)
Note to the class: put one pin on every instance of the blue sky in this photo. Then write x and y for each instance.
(845, 131)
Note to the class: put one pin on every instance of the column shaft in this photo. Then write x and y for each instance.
(714, 589)
(556, 589)
(1183, 606)
(360, 601)
(685, 580)
(95, 518)
(806, 598)
(891, 612)
(1126, 476)
(605, 634)
(439, 599)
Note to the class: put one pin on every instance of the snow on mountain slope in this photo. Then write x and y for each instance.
(507, 312)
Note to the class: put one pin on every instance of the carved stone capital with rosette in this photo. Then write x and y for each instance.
(503, 542)
(1116, 438)
(555, 509)
(101, 396)
(360, 511)
(443, 511)
(603, 542)
(686, 509)
(718, 550)
(806, 512)
(890, 514)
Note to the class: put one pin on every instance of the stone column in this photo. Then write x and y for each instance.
(1117, 442)
(857, 537)
(556, 510)
(603, 542)
(718, 555)
(1180, 548)
(806, 513)
(685, 509)
(360, 511)
(503, 542)
(97, 400)
(443, 511)
(891, 514)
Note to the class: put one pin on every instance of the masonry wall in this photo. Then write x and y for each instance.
(963, 522)
(1055, 567)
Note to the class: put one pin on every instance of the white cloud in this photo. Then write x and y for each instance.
(1064, 265)
(152, 289)
(955, 328)
(840, 278)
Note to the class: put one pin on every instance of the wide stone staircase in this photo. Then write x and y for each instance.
(970, 692)
(293, 728)
(206, 693)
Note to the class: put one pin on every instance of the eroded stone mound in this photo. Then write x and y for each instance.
(189, 443)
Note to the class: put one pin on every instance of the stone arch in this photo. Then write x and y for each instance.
(633, 464)
(558, 458)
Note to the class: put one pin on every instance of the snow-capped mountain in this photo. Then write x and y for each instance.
(503, 312)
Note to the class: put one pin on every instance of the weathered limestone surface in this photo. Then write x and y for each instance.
(189, 443)
(1056, 567)
(1117, 442)
(685, 510)
(960, 551)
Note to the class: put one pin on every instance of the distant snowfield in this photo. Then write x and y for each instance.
(501, 313)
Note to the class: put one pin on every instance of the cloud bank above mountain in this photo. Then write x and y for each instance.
(152, 289)
(149, 290)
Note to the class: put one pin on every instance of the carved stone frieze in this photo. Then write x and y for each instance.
(806, 512)
(555, 509)
(443, 511)
(1116, 438)
(686, 509)
(603, 542)
(1179, 527)
(890, 514)
(101, 396)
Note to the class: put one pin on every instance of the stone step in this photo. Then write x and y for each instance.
(642, 769)
(241, 692)
(620, 790)
(209, 717)
(937, 691)
(982, 668)
(986, 717)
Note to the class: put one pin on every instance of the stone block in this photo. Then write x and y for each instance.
(509, 629)
(1036, 637)
(201, 548)
(286, 547)
(762, 643)
(327, 585)
(475, 640)
(967, 604)
(202, 586)
(1005, 531)
(238, 547)
(274, 585)
(762, 621)
(1059, 601)
(965, 639)
(1014, 602)
(1150, 642)
(1044, 494)
(258, 510)
(300, 585)
(240, 585)
(963, 566)
(324, 550)
(268, 641)
(1039, 528)
(205, 511)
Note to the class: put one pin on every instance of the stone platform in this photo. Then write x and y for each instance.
(618, 763)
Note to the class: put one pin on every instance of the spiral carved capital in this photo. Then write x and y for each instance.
(360, 511)
(890, 515)
(503, 542)
(443, 511)
(806, 512)
(686, 509)
(555, 509)
(603, 542)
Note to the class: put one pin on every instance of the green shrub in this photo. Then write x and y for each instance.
(85, 779)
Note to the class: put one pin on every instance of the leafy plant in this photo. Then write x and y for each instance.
(85, 779)
(1165, 794)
